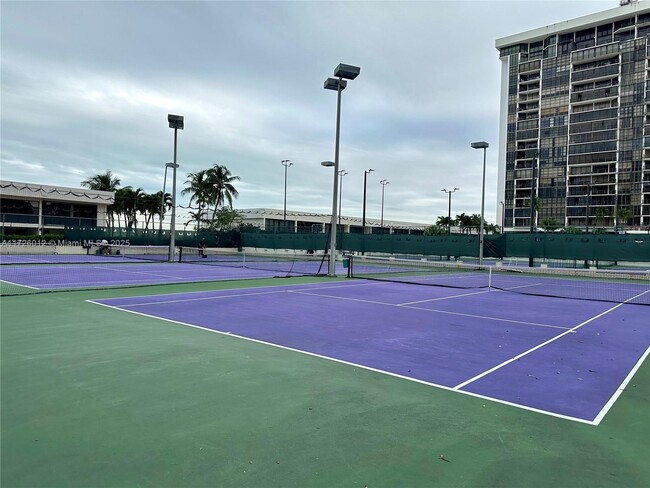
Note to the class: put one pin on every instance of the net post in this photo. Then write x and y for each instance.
(489, 278)
(349, 266)
(180, 254)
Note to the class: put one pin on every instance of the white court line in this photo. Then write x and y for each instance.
(111, 268)
(404, 304)
(183, 300)
(465, 295)
(435, 310)
(348, 363)
(553, 339)
(18, 284)
(236, 282)
(620, 389)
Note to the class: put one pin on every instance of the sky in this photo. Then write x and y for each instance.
(86, 87)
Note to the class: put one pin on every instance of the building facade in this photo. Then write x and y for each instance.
(273, 220)
(575, 122)
(33, 209)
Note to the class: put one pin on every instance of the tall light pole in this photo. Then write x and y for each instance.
(481, 145)
(162, 199)
(449, 192)
(588, 202)
(176, 122)
(503, 216)
(286, 163)
(533, 190)
(383, 184)
(342, 173)
(365, 181)
(342, 72)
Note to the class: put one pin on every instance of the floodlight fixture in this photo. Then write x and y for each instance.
(327, 164)
(175, 121)
(334, 83)
(480, 145)
(347, 71)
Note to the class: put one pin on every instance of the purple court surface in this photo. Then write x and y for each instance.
(566, 358)
(115, 274)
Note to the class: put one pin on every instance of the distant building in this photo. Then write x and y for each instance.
(273, 220)
(33, 209)
(575, 121)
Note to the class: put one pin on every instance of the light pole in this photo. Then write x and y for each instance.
(449, 192)
(383, 184)
(503, 216)
(162, 199)
(176, 122)
(342, 72)
(286, 163)
(481, 145)
(342, 173)
(533, 187)
(588, 202)
(365, 180)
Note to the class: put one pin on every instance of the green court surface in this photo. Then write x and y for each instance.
(94, 397)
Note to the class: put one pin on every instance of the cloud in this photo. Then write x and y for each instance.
(87, 86)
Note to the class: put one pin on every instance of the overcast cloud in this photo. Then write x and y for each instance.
(87, 86)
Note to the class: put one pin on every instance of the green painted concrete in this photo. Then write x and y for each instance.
(94, 397)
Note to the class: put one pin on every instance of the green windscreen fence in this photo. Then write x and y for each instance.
(587, 247)
(141, 237)
(578, 247)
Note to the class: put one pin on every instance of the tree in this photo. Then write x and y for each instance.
(221, 180)
(623, 215)
(464, 221)
(149, 206)
(196, 217)
(445, 222)
(104, 182)
(226, 219)
(201, 189)
(436, 230)
(550, 224)
(601, 215)
(164, 204)
(475, 222)
(131, 205)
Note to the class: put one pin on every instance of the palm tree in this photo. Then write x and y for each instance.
(164, 203)
(475, 222)
(601, 214)
(196, 217)
(200, 187)
(464, 221)
(223, 190)
(104, 182)
(149, 206)
(623, 215)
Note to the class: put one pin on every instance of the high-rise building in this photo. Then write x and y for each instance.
(574, 144)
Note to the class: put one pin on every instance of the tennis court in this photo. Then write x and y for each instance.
(479, 380)
(567, 359)
(144, 265)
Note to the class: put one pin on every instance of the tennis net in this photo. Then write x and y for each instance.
(287, 264)
(617, 286)
(96, 253)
